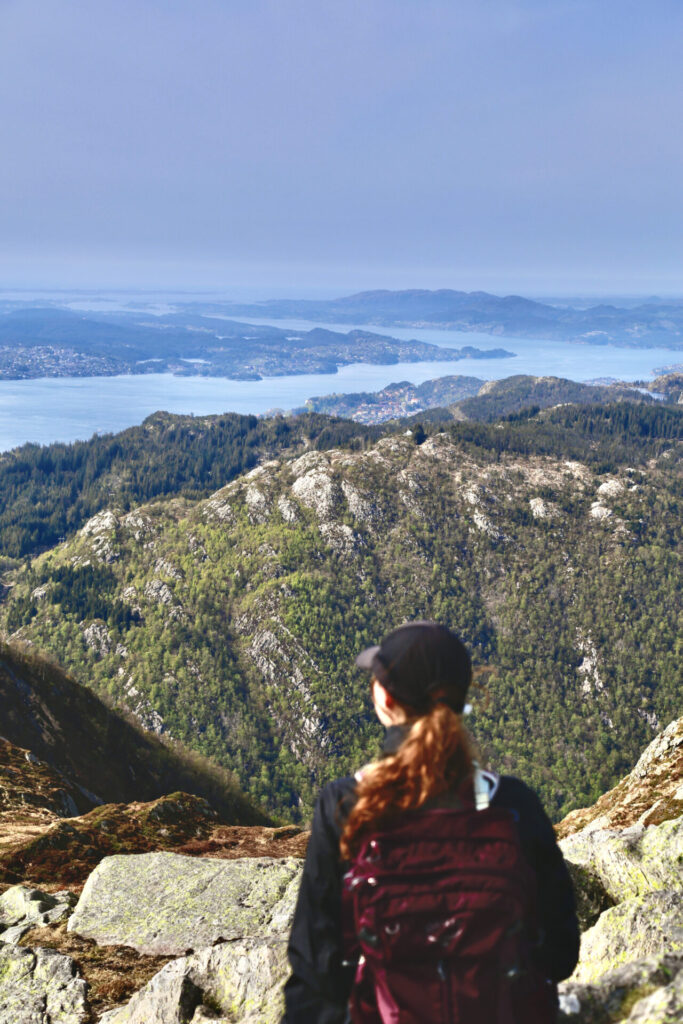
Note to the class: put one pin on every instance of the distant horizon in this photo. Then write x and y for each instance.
(265, 293)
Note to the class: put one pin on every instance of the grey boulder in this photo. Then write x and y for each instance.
(40, 986)
(164, 903)
(643, 926)
(23, 908)
(234, 981)
(642, 992)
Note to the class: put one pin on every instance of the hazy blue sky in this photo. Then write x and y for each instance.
(528, 145)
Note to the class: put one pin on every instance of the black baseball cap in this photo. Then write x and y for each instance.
(418, 659)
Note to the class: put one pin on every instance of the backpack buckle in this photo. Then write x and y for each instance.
(365, 935)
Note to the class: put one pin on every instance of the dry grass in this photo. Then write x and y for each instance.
(113, 973)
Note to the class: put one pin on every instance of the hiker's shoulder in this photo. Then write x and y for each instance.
(336, 798)
(513, 793)
(516, 796)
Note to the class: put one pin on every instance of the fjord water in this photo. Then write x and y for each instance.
(69, 409)
(536, 356)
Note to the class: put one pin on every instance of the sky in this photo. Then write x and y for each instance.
(321, 146)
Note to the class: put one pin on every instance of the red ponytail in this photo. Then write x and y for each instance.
(433, 759)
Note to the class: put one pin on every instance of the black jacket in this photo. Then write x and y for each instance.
(318, 990)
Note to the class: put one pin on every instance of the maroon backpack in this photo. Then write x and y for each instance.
(439, 912)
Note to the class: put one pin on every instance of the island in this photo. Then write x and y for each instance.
(655, 322)
(49, 342)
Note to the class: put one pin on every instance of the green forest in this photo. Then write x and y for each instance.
(227, 608)
(47, 492)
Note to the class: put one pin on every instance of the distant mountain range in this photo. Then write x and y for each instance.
(652, 324)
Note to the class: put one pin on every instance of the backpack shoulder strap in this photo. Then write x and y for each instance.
(486, 785)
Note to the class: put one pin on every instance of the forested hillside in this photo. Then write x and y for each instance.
(88, 753)
(550, 541)
(512, 394)
(48, 492)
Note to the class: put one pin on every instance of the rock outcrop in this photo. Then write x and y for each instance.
(162, 903)
(22, 909)
(236, 914)
(626, 857)
(234, 981)
(40, 986)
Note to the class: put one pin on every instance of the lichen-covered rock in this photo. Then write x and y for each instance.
(40, 986)
(623, 994)
(662, 1007)
(163, 903)
(643, 926)
(22, 908)
(636, 860)
(241, 980)
(169, 998)
(591, 896)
